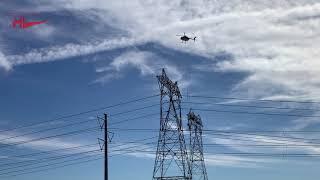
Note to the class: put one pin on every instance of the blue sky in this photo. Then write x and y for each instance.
(94, 53)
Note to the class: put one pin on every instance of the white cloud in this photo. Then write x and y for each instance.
(4, 63)
(146, 62)
(139, 60)
(68, 51)
(276, 42)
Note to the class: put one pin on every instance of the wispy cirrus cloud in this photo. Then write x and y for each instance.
(68, 51)
(148, 64)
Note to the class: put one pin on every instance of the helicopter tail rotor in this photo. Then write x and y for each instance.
(194, 39)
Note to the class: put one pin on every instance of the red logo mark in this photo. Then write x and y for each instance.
(23, 24)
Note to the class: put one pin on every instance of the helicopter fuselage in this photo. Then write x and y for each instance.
(185, 38)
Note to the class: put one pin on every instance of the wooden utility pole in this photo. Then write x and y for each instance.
(106, 140)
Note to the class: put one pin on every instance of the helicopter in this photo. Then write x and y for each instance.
(184, 38)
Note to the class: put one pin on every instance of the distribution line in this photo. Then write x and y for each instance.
(80, 113)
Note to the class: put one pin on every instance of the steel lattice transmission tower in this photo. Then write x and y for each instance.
(197, 165)
(171, 161)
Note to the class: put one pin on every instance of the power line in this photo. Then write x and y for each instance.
(135, 141)
(47, 165)
(276, 145)
(282, 139)
(65, 165)
(52, 168)
(251, 106)
(273, 154)
(255, 113)
(80, 113)
(127, 152)
(130, 148)
(45, 130)
(49, 137)
(248, 99)
(50, 152)
(133, 110)
(261, 145)
(81, 122)
(271, 145)
(67, 156)
(72, 124)
(263, 131)
(221, 131)
(43, 160)
(46, 159)
(230, 137)
(240, 153)
(135, 118)
(211, 132)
